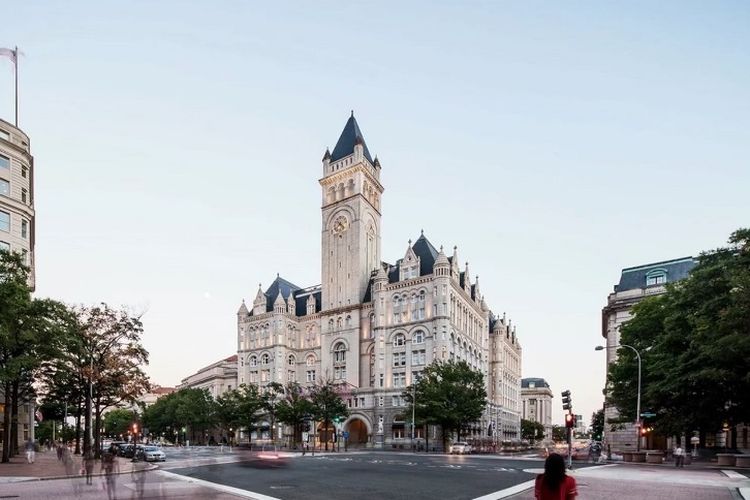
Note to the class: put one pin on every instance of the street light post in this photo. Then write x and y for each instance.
(413, 413)
(638, 401)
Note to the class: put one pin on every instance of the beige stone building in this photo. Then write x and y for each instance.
(217, 378)
(17, 226)
(636, 283)
(16, 193)
(373, 326)
(536, 403)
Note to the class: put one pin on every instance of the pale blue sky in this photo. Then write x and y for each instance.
(178, 150)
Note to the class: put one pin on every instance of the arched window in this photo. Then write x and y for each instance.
(418, 337)
(656, 277)
(339, 361)
(291, 360)
(310, 360)
(348, 321)
(252, 361)
(399, 340)
(397, 309)
(265, 359)
(419, 311)
(330, 324)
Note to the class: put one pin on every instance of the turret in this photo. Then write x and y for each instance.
(259, 304)
(279, 306)
(467, 279)
(310, 306)
(380, 280)
(326, 161)
(441, 267)
(243, 311)
(290, 305)
(455, 273)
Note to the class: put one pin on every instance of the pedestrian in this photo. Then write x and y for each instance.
(111, 468)
(30, 451)
(138, 475)
(59, 451)
(554, 484)
(679, 456)
(88, 466)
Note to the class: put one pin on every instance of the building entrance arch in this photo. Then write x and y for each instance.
(359, 430)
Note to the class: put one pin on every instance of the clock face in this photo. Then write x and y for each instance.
(340, 225)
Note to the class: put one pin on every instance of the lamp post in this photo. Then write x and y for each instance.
(638, 401)
(413, 413)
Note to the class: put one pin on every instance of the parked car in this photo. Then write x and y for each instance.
(151, 453)
(126, 450)
(460, 448)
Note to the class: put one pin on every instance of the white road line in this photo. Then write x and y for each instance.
(733, 474)
(513, 490)
(745, 493)
(208, 484)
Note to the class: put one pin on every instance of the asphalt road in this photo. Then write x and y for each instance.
(370, 475)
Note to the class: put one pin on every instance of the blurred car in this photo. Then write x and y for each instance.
(459, 448)
(151, 454)
(126, 450)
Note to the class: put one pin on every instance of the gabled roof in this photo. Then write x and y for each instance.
(426, 253)
(674, 270)
(349, 137)
(279, 284)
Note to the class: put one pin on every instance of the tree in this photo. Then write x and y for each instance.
(531, 430)
(294, 409)
(327, 405)
(597, 425)
(118, 421)
(191, 409)
(559, 433)
(450, 394)
(31, 332)
(694, 345)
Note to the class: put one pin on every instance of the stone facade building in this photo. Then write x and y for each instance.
(17, 229)
(372, 326)
(636, 283)
(536, 403)
(218, 378)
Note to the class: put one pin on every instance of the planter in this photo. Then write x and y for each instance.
(639, 456)
(726, 459)
(742, 460)
(655, 457)
(627, 456)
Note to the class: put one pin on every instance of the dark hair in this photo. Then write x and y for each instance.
(554, 471)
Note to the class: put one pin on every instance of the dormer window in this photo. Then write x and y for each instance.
(656, 277)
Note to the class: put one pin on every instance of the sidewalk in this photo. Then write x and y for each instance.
(651, 483)
(47, 466)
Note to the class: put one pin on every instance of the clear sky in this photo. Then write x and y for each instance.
(178, 149)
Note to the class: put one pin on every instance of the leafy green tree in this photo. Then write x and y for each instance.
(118, 421)
(294, 408)
(559, 433)
(327, 405)
(531, 430)
(695, 347)
(31, 332)
(449, 394)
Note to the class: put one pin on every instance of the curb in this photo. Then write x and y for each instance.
(98, 474)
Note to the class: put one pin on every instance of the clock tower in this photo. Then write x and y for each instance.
(350, 236)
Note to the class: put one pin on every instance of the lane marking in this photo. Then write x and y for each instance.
(513, 490)
(733, 474)
(216, 486)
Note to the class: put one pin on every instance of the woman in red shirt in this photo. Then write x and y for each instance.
(554, 484)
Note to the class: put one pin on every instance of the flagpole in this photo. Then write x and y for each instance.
(15, 54)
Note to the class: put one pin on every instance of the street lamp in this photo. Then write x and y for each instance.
(413, 413)
(638, 401)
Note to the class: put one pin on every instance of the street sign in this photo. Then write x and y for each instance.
(305, 437)
(648, 415)
(695, 440)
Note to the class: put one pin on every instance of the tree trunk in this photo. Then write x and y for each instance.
(97, 437)
(78, 427)
(325, 432)
(87, 421)
(6, 424)
(14, 419)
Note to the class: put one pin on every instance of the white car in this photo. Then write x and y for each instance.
(153, 454)
(460, 448)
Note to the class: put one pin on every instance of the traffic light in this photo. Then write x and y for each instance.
(570, 420)
(566, 401)
(135, 428)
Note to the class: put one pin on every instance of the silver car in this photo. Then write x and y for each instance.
(460, 448)
(153, 454)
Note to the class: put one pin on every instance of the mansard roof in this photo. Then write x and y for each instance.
(301, 296)
(673, 270)
(350, 136)
(426, 253)
(279, 285)
(538, 382)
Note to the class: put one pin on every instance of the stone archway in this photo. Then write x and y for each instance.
(359, 429)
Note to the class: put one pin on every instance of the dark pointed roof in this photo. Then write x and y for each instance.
(282, 285)
(426, 253)
(350, 136)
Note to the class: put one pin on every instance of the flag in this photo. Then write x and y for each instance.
(39, 415)
(10, 54)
